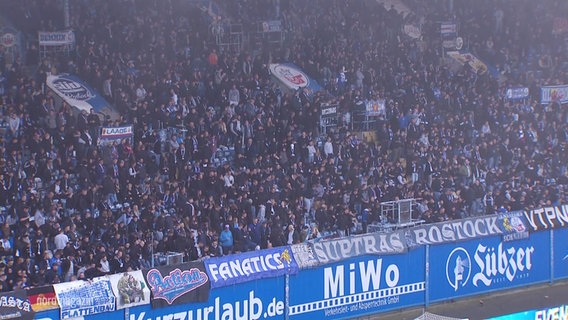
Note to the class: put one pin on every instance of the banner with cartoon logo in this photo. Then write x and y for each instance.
(514, 225)
(291, 78)
(178, 284)
(78, 93)
(252, 265)
(130, 289)
(488, 264)
(15, 305)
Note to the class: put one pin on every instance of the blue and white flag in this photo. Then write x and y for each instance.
(293, 78)
(252, 265)
(78, 93)
(83, 298)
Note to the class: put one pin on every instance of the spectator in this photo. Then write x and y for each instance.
(226, 240)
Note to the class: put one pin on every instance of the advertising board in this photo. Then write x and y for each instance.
(358, 286)
(259, 299)
(560, 247)
(488, 264)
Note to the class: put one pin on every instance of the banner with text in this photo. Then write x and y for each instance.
(77, 93)
(513, 225)
(15, 305)
(57, 38)
(560, 248)
(559, 312)
(83, 298)
(258, 299)
(358, 286)
(455, 230)
(517, 93)
(111, 134)
(329, 251)
(304, 255)
(483, 265)
(551, 94)
(177, 284)
(252, 265)
(130, 289)
(547, 218)
(42, 298)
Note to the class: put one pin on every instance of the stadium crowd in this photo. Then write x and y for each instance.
(74, 210)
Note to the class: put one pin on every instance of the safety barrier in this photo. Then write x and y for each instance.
(333, 279)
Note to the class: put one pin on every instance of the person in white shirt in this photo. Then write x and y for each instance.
(61, 240)
(311, 152)
(105, 265)
(234, 96)
(140, 93)
(328, 148)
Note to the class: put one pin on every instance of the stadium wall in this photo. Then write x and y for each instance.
(362, 275)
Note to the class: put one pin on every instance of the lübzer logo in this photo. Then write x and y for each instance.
(458, 268)
(176, 284)
(72, 89)
(493, 263)
(292, 75)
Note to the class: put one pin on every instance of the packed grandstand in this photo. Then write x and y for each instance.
(204, 151)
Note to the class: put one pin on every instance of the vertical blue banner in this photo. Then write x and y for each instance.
(52, 314)
(560, 253)
(259, 299)
(489, 264)
(358, 286)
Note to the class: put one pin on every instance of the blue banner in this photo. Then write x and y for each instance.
(78, 93)
(359, 286)
(52, 314)
(560, 312)
(260, 299)
(83, 298)
(252, 265)
(517, 93)
(483, 265)
(560, 253)
(513, 225)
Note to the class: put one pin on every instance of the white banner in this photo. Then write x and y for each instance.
(83, 298)
(517, 93)
(59, 38)
(554, 94)
(112, 134)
